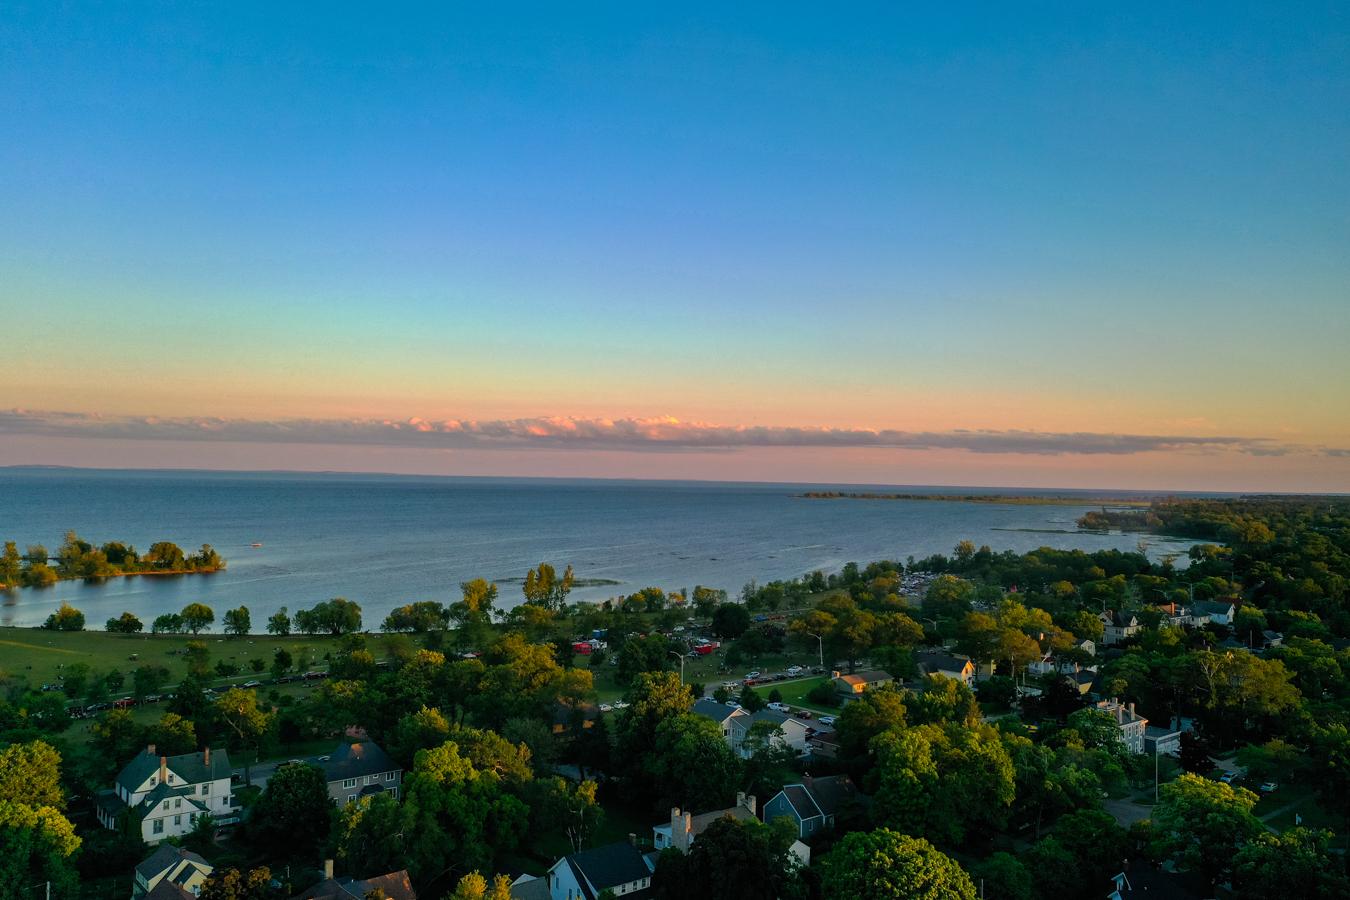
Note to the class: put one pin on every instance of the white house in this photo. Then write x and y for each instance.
(165, 794)
(1132, 725)
(1117, 626)
(618, 867)
(1220, 612)
(736, 725)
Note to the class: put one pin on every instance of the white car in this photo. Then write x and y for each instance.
(752, 674)
(621, 704)
(1268, 786)
(605, 707)
(827, 720)
(795, 670)
(780, 707)
(733, 704)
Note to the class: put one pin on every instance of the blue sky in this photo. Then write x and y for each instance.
(1061, 217)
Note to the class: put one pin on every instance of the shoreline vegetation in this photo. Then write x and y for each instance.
(1129, 502)
(79, 559)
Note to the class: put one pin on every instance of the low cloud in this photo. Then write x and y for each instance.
(655, 434)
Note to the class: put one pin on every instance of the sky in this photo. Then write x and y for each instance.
(1053, 244)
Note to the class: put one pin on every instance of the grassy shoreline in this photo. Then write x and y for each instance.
(1131, 502)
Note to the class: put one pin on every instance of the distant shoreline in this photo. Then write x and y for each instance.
(1009, 499)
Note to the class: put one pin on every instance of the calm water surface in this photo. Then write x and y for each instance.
(386, 540)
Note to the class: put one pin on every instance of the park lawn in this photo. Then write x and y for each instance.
(794, 693)
(39, 655)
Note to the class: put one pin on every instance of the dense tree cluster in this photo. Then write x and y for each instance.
(77, 558)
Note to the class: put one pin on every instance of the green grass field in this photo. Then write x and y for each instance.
(39, 656)
(794, 693)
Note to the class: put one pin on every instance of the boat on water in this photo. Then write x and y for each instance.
(256, 544)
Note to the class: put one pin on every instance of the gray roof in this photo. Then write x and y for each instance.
(168, 890)
(940, 661)
(358, 760)
(1210, 607)
(610, 865)
(799, 798)
(166, 856)
(396, 886)
(159, 792)
(831, 793)
(718, 712)
(190, 767)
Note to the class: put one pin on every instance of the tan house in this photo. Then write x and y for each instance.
(182, 871)
(948, 665)
(851, 686)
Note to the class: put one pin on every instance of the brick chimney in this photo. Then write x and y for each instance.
(206, 757)
(328, 869)
(681, 829)
(163, 770)
(746, 800)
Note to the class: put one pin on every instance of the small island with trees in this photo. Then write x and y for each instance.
(77, 558)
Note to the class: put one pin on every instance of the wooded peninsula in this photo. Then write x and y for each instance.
(77, 558)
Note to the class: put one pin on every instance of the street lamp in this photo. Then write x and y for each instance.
(680, 657)
(820, 645)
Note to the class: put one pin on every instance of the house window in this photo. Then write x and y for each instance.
(177, 820)
(389, 776)
(178, 803)
(170, 778)
(370, 779)
(158, 826)
(206, 789)
(349, 783)
(351, 798)
(394, 792)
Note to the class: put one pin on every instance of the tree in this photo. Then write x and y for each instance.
(691, 765)
(337, 616)
(198, 657)
(1298, 863)
(475, 887)
(886, 865)
(197, 616)
(294, 810)
(173, 735)
(31, 774)
(1194, 754)
(75, 679)
(66, 618)
(653, 698)
(11, 566)
(730, 620)
(644, 654)
(238, 711)
(544, 588)
(943, 781)
(750, 699)
(948, 597)
(466, 813)
(146, 680)
(117, 735)
(420, 617)
(232, 884)
(281, 662)
(279, 623)
(572, 807)
(127, 623)
(1004, 877)
(169, 623)
(1202, 824)
(238, 621)
(37, 842)
(731, 858)
(371, 835)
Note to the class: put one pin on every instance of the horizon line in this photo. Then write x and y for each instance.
(1152, 493)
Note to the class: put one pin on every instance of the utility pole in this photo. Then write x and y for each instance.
(820, 645)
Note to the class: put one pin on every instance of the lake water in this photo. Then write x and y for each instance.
(387, 540)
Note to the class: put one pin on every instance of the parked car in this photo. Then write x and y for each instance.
(780, 707)
(605, 707)
(795, 670)
(749, 675)
(733, 704)
(1268, 786)
(252, 684)
(803, 714)
(621, 704)
(827, 720)
(1230, 777)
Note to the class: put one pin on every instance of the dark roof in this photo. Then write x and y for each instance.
(832, 792)
(1083, 676)
(941, 661)
(159, 792)
(534, 889)
(190, 767)
(610, 865)
(1209, 607)
(396, 886)
(357, 760)
(371, 790)
(167, 855)
(718, 712)
(799, 798)
(769, 715)
(562, 713)
(168, 890)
